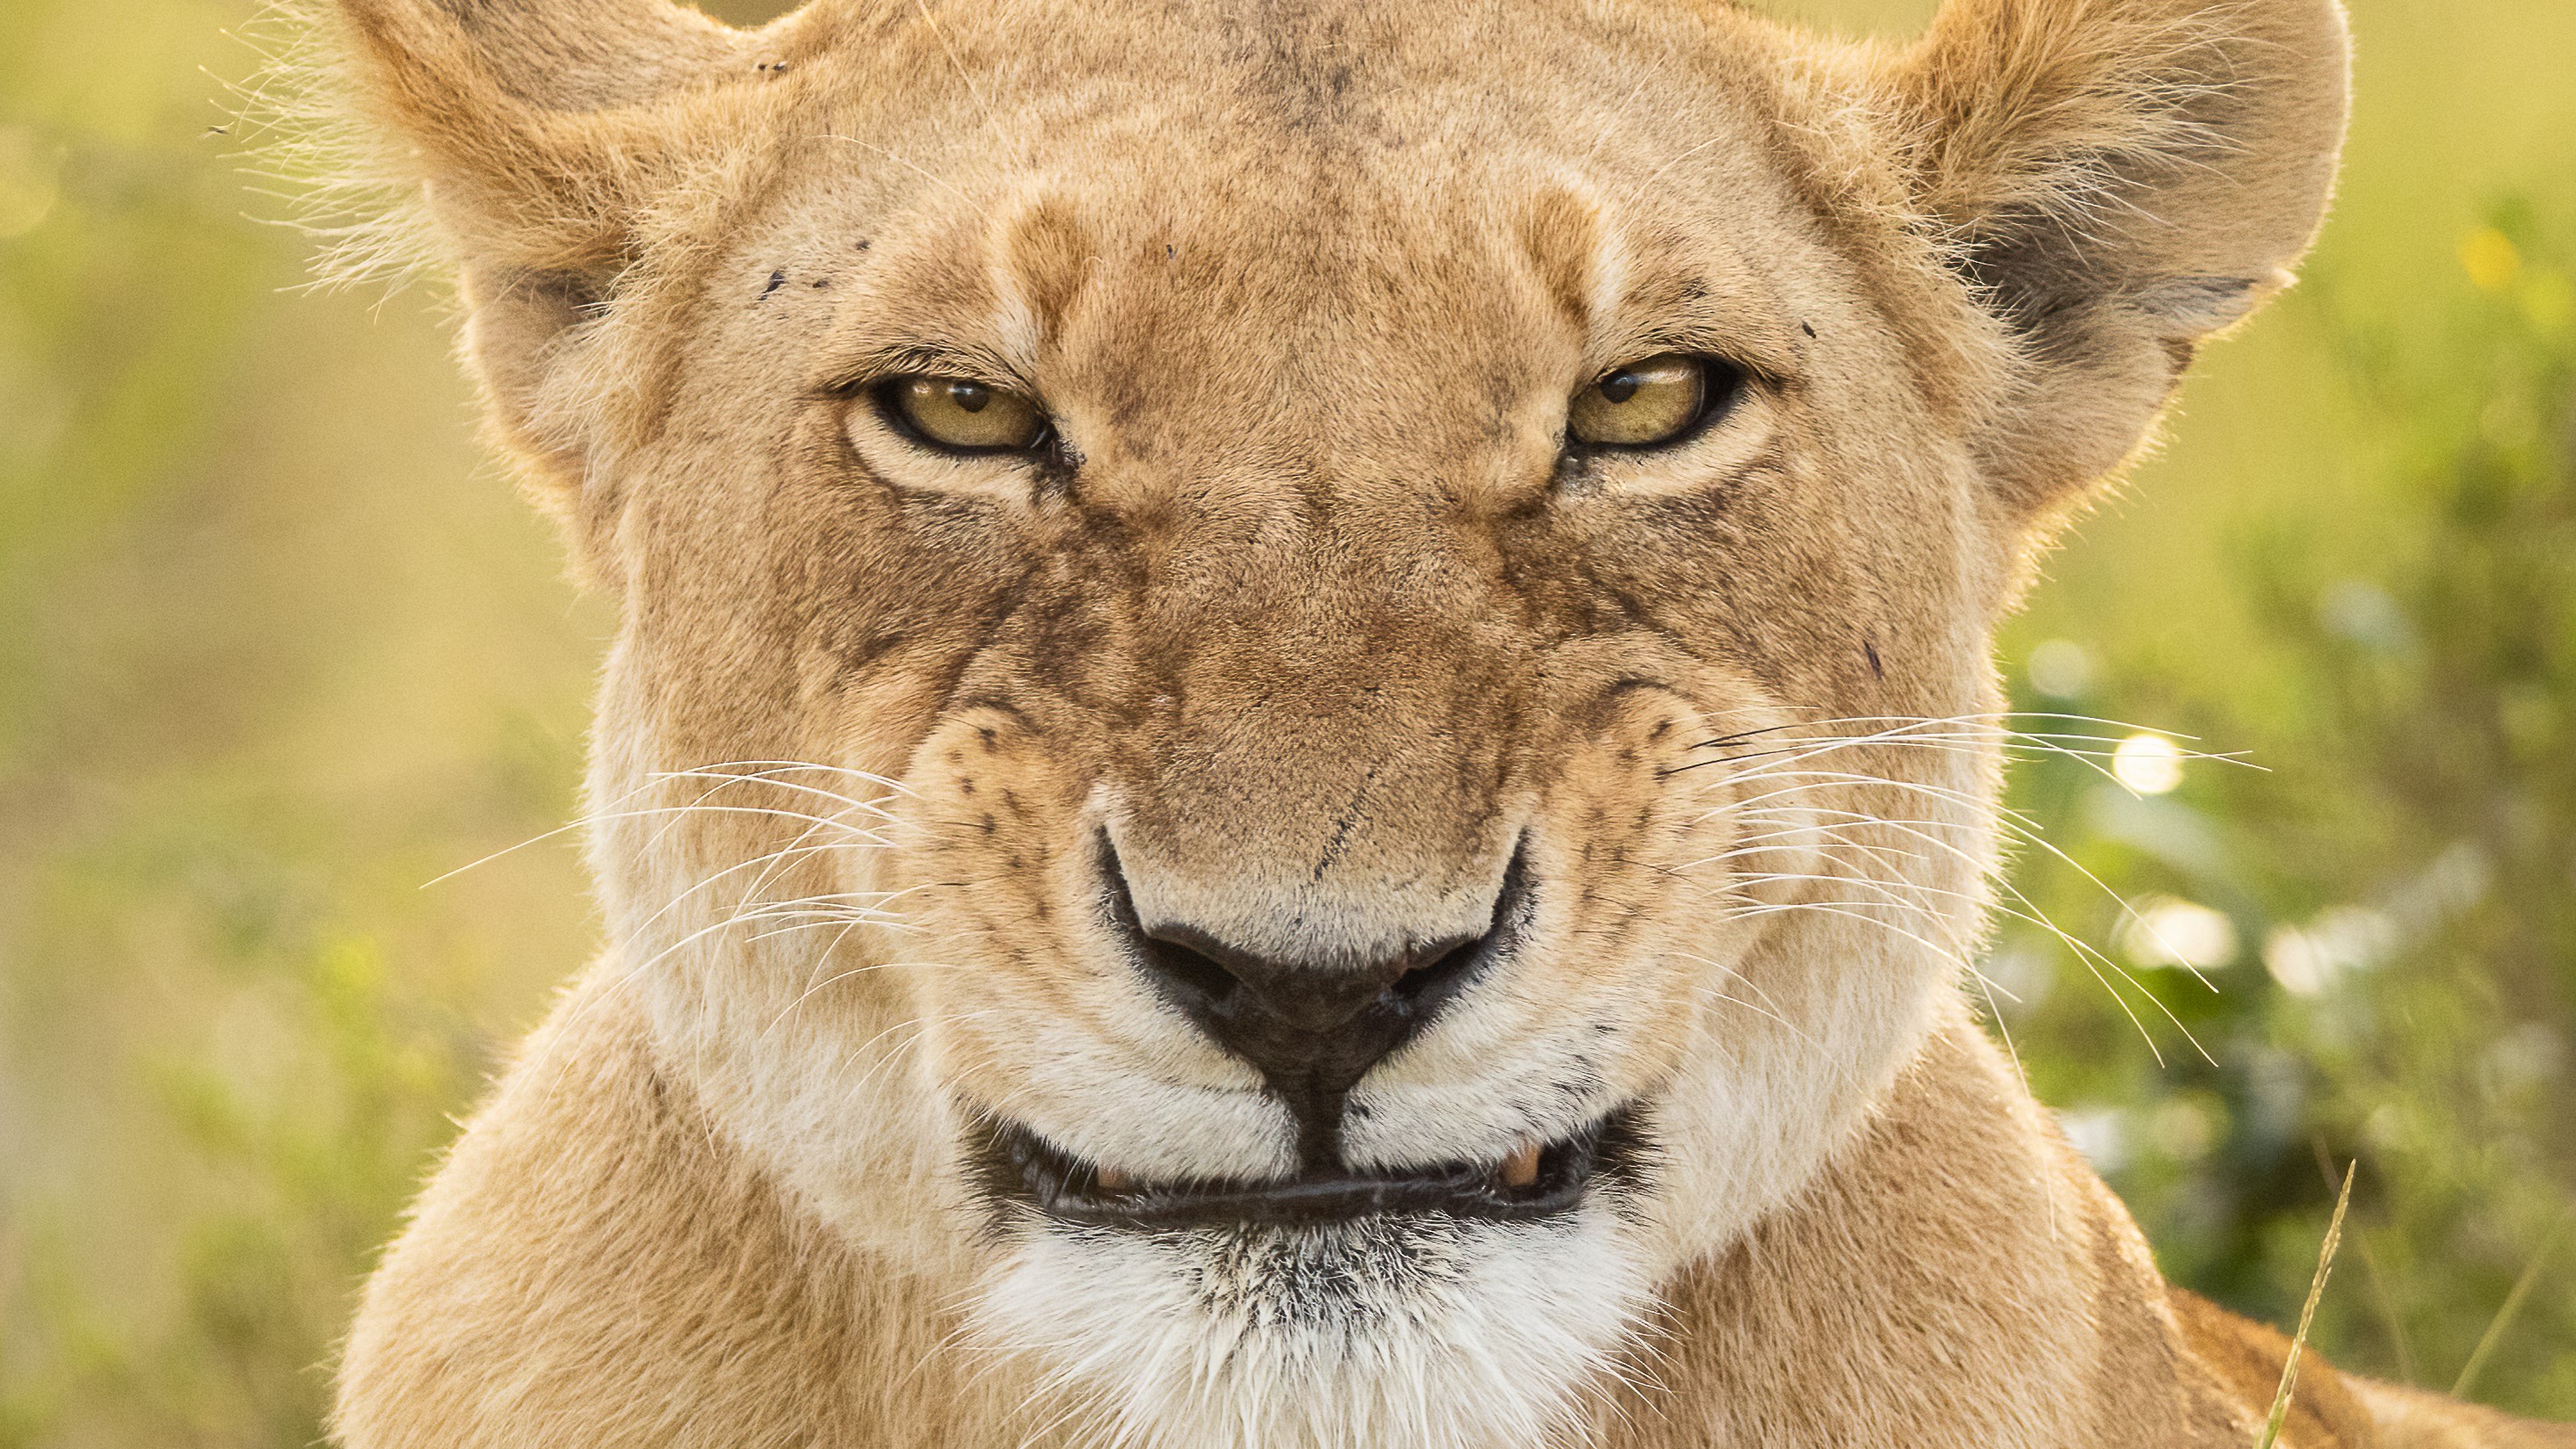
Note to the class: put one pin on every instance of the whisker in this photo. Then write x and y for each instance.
(808, 993)
(1785, 1023)
(2088, 955)
(769, 777)
(2092, 958)
(1962, 734)
(601, 818)
(2021, 828)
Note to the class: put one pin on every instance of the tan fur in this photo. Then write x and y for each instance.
(1315, 630)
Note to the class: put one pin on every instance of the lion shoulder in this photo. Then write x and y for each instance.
(593, 1264)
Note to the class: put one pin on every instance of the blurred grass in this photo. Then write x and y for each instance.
(276, 647)
(2398, 880)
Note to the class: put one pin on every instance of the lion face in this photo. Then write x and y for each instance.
(1322, 794)
(1305, 692)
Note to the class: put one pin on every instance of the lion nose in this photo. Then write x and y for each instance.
(1314, 1028)
(1285, 1016)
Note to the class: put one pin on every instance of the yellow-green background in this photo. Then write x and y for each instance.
(277, 646)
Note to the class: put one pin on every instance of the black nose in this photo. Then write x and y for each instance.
(1312, 1029)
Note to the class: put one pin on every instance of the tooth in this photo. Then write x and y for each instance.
(1521, 1168)
(1112, 1180)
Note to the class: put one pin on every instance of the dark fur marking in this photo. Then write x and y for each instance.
(1342, 828)
(965, 704)
(869, 651)
(1003, 609)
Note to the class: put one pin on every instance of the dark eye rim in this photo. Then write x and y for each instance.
(1728, 383)
(881, 397)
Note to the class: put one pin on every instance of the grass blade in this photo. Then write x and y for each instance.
(2504, 1314)
(2307, 1316)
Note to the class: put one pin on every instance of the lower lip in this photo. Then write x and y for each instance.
(1025, 1169)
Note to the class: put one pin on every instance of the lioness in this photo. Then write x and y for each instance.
(1302, 750)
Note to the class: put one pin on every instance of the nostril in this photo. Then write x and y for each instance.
(1440, 976)
(1190, 972)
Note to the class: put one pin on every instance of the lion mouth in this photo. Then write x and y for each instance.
(1533, 1183)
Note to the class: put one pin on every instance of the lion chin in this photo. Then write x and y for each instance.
(1457, 1304)
(1419, 1330)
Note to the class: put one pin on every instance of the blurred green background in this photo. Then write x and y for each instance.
(277, 647)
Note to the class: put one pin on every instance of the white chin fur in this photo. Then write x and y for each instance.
(1382, 1333)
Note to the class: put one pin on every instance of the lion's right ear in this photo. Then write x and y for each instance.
(2118, 179)
(540, 135)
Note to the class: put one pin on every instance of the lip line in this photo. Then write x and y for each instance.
(1023, 1166)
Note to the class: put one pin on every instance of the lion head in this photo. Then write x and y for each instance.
(1304, 688)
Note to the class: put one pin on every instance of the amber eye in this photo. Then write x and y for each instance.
(963, 415)
(1649, 402)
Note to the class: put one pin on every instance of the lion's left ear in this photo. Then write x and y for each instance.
(2119, 179)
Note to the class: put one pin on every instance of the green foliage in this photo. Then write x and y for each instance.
(309, 1167)
(2400, 871)
(275, 649)
(271, 655)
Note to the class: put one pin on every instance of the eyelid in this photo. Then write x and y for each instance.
(884, 365)
(1753, 370)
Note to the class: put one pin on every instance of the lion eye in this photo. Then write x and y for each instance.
(1649, 402)
(965, 416)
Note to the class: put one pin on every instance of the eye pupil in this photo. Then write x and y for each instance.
(962, 415)
(1656, 400)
